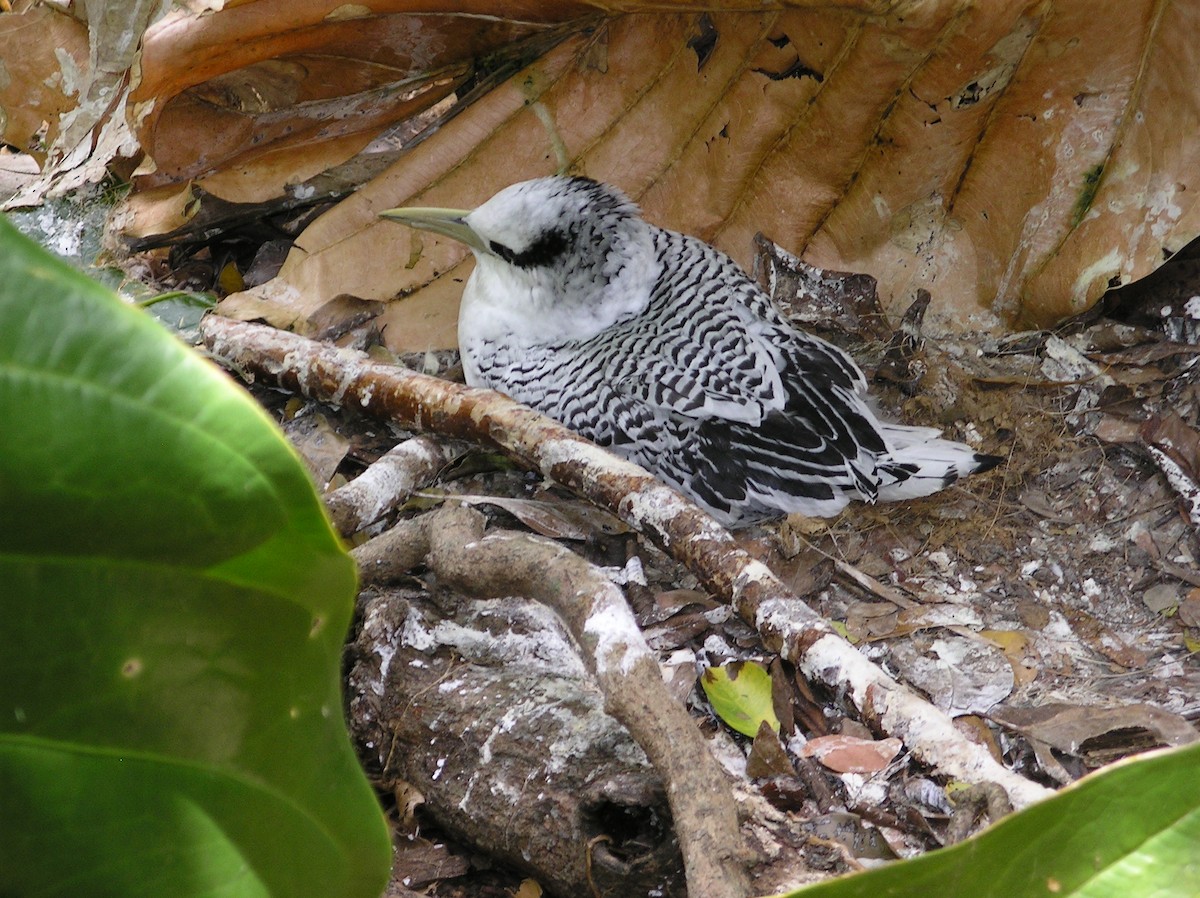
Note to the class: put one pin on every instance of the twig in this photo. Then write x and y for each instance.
(387, 483)
(787, 625)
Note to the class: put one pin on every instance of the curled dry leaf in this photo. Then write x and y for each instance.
(767, 756)
(72, 81)
(1098, 735)
(1015, 159)
(251, 97)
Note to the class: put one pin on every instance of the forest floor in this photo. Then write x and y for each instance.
(1052, 605)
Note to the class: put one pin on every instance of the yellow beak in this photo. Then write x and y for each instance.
(448, 222)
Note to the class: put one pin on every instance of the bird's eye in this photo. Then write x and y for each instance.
(543, 251)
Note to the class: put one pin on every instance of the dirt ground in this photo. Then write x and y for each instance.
(1051, 605)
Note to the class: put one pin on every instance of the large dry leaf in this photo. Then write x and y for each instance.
(1013, 159)
(75, 80)
(43, 67)
(251, 97)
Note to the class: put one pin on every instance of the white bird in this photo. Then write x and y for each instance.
(660, 348)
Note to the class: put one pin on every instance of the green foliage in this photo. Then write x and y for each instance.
(174, 603)
(740, 694)
(1128, 831)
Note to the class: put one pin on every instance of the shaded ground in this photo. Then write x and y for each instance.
(1052, 605)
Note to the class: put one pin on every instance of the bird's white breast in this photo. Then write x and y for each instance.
(503, 305)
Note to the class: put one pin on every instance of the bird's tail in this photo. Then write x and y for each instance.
(920, 462)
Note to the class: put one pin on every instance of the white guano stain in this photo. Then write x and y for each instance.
(559, 451)
(616, 632)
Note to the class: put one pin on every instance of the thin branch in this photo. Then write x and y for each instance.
(388, 483)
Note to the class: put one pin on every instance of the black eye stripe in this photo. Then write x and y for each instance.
(542, 251)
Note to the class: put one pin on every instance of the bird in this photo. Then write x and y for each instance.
(658, 347)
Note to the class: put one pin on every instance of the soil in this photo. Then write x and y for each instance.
(1052, 604)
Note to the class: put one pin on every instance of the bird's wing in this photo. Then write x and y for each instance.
(720, 366)
(712, 346)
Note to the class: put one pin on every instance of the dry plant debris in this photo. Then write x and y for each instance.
(1049, 609)
(864, 136)
(876, 140)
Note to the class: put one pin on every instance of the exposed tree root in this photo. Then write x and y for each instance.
(786, 624)
(505, 563)
(481, 712)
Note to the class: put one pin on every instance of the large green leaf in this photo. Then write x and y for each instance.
(1131, 830)
(173, 603)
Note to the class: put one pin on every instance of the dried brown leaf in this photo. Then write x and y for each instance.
(1013, 159)
(767, 756)
(255, 96)
(43, 64)
(1101, 733)
(849, 754)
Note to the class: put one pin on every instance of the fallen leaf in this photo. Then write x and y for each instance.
(974, 728)
(740, 694)
(1101, 639)
(40, 77)
(1162, 598)
(767, 755)
(1098, 735)
(960, 675)
(849, 754)
(319, 444)
(1189, 608)
(880, 142)
(1017, 650)
(240, 86)
(529, 888)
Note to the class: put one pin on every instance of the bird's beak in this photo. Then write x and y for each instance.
(449, 222)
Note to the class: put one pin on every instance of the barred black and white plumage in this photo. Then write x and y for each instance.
(657, 346)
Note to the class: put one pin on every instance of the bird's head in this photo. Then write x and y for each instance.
(571, 254)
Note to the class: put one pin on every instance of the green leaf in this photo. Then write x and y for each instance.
(740, 693)
(1128, 831)
(173, 603)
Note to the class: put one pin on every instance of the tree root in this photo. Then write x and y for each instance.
(483, 710)
(506, 563)
(786, 624)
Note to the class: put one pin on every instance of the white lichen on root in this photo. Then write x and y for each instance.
(616, 633)
(390, 480)
(537, 645)
(753, 571)
(554, 452)
(787, 617)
